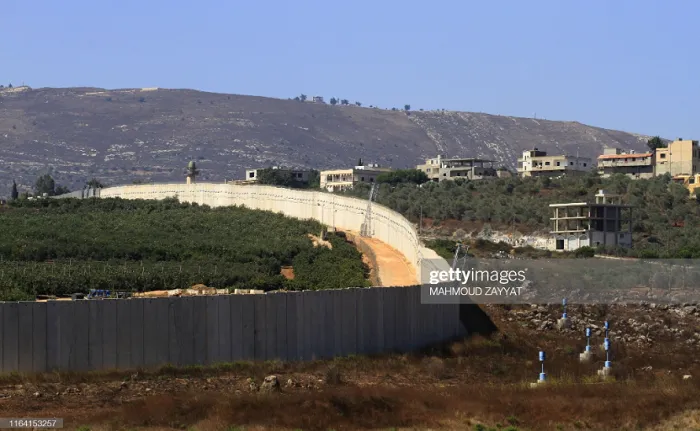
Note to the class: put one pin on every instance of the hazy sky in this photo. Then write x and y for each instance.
(623, 64)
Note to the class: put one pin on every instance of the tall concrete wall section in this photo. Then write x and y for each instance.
(342, 212)
(133, 333)
(124, 334)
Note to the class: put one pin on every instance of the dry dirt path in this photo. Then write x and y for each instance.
(392, 266)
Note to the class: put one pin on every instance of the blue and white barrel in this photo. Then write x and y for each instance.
(563, 316)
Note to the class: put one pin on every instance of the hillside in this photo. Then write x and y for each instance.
(150, 134)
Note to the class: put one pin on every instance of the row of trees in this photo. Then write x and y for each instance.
(285, 178)
(45, 184)
(335, 101)
(229, 247)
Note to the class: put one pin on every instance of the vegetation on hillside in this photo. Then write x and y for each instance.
(285, 178)
(655, 142)
(400, 176)
(665, 221)
(139, 245)
(45, 184)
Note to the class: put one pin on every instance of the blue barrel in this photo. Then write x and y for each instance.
(588, 348)
(543, 377)
(564, 302)
(608, 364)
(607, 325)
(588, 332)
(606, 344)
(542, 356)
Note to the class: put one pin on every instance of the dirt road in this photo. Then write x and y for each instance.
(392, 266)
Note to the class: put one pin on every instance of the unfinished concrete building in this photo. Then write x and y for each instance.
(606, 222)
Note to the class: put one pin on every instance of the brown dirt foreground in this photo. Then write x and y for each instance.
(475, 384)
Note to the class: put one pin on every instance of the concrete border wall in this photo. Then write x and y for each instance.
(342, 212)
(150, 332)
(124, 334)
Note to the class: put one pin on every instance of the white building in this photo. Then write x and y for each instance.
(342, 179)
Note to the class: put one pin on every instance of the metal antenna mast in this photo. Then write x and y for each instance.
(366, 228)
(456, 258)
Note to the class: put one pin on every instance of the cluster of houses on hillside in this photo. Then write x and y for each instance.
(680, 159)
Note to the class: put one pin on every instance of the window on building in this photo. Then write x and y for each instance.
(558, 163)
(362, 178)
(571, 163)
(546, 163)
(251, 174)
(662, 155)
(329, 178)
(584, 165)
(371, 179)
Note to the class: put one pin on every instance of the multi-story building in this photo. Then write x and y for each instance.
(607, 222)
(636, 165)
(536, 163)
(680, 157)
(441, 169)
(300, 175)
(341, 179)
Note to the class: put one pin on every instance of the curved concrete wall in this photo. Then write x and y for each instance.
(137, 333)
(342, 212)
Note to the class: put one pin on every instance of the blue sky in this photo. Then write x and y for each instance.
(631, 65)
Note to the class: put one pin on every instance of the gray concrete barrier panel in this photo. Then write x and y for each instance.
(26, 338)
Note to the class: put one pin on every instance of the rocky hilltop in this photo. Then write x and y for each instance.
(150, 134)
